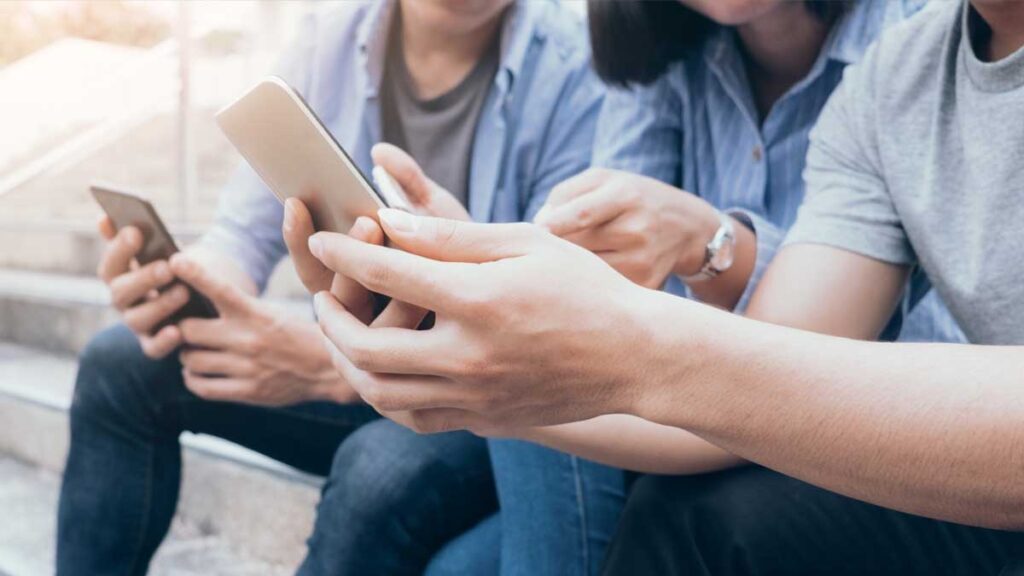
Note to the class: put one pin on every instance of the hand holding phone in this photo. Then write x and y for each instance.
(134, 265)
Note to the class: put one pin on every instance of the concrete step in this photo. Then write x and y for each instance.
(232, 497)
(61, 312)
(73, 248)
(29, 494)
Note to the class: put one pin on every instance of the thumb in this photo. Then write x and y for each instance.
(458, 241)
(406, 172)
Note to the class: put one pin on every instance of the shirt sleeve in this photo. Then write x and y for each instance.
(249, 217)
(640, 131)
(769, 238)
(847, 203)
(568, 145)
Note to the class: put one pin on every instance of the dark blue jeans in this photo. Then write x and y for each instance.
(751, 521)
(391, 500)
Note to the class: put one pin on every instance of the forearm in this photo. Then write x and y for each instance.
(929, 429)
(631, 443)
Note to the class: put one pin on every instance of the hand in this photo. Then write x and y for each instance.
(530, 330)
(252, 353)
(140, 293)
(644, 228)
(426, 197)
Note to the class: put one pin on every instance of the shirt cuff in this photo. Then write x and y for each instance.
(769, 237)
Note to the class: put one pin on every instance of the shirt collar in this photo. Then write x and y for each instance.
(517, 33)
(856, 29)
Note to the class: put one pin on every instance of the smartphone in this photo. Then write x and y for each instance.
(125, 209)
(285, 142)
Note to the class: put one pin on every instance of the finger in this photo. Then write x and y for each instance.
(400, 392)
(458, 241)
(399, 314)
(106, 227)
(350, 293)
(165, 341)
(385, 350)
(218, 389)
(588, 211)
(406, 172)
(436, 420)
(419, 281)
(223, 364)
(119, 253)
(296, 229)
(575, 186)
(218, 334)
(142, 319)
(228, 299)
(130, 288)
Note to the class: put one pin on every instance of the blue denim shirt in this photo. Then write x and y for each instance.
(535, 130)
(698, 128)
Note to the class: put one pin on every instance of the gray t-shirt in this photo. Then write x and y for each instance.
(918, 159)
(438, 132)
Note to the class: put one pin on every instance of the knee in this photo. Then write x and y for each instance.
(715, 520)
(377, 469)
(114, 376)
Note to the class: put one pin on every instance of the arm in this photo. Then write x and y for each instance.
(570, 137)
(631, 443)
(247, 229)
(630, 210)
(929, 429)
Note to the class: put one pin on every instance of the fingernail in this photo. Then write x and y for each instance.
(398, 220)
(316, 245)
(318, 303)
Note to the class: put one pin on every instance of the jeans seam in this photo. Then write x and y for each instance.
(146, 509)
(582, 509)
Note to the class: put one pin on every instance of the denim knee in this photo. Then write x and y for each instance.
(694, 525)
(383, 468)
(116, 380)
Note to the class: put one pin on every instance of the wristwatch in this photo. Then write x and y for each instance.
(719, 252)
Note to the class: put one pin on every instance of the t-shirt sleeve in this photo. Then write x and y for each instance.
(848, 204)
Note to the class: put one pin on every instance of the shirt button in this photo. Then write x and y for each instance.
(757, 153)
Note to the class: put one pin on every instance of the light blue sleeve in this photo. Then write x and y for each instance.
(640, 131)
(569, 142)
(249, 217)
(769, 239)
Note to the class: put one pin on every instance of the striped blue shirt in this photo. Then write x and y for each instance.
(698, 128)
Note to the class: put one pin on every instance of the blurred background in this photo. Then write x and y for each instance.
(122, 93)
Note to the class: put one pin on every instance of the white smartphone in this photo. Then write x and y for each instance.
(297, 157)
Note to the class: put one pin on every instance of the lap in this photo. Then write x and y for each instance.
(118, 385)
(756, 521)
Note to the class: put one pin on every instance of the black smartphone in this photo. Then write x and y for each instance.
(125, 209)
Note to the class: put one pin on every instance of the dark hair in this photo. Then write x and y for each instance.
(635, 41)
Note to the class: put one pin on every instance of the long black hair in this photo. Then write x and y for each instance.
(635, 41)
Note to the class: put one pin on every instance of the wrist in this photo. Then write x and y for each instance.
(693, 254)
(680, 349)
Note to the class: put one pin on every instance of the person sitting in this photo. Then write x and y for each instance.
(496, 100)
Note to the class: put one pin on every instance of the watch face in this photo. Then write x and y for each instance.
(723, 258)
